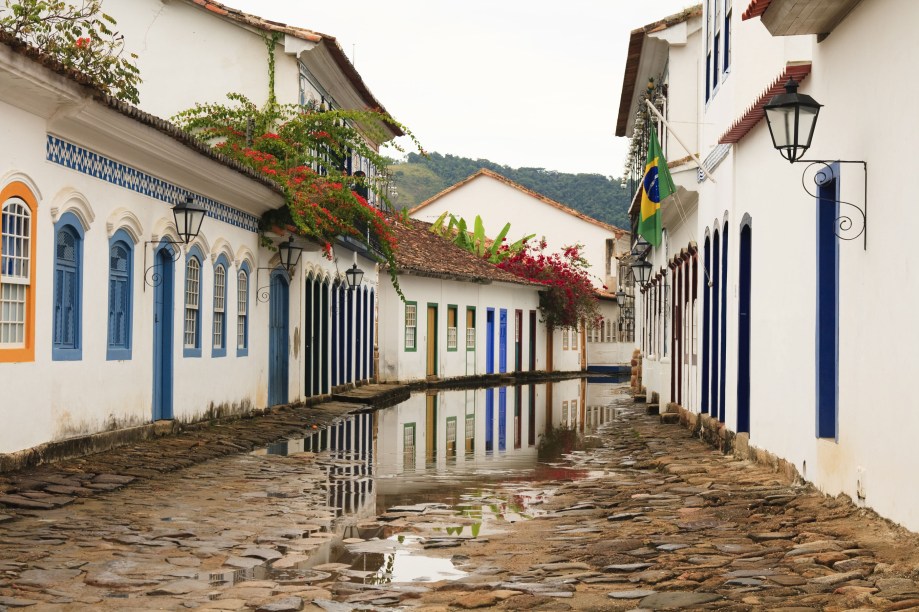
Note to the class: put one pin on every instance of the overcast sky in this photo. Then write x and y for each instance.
(522, 83)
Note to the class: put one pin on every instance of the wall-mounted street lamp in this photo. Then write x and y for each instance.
(641, 270)
(620, 297)
(288, 256)
(792, 117)
(354, 276)
(189, 215)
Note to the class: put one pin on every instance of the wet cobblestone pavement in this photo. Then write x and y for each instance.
(650, 519)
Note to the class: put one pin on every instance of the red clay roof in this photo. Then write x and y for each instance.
(486, 172)
(423, 253)
(633, 59)
(338, 55)
(754, 114)
(756, 8)
(161, 125)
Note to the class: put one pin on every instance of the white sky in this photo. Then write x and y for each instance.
(519, 82)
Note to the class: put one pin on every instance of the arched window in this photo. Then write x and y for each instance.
(68, 254)
(242, 311)
(119, 296)
(15, 275)
(192, 336)
(219, 336)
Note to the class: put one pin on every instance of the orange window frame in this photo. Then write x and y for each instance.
(26, 353)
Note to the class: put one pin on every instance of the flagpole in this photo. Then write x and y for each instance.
(694, 157)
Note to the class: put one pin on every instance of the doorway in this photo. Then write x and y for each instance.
(278, 338)
(163, 313)
(431, 369)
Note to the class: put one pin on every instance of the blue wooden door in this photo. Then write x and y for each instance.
(502, 341)
(743, 331)
(490, 341)
(163, 308)
(278, 349)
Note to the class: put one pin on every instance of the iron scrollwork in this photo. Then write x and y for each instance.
(849, 225)
(152, 274)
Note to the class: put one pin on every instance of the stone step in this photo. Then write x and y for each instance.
(639, 398)
(670, 418)
(653, 409)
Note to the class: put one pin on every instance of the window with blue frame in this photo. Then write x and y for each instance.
(219, 339)
(68, 256)
(120, 286)
(242, 311)
(192, 335)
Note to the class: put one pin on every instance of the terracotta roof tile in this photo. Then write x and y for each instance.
(755, 113)
(337, 53)
(160, 125)
(423, 253)
(755, 9)
(485, 172)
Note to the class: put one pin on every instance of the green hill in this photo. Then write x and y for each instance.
(596, 195)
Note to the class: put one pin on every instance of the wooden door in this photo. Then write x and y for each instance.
(432, 340)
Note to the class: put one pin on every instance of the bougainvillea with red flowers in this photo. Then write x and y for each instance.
(309, 152)
(569, 297)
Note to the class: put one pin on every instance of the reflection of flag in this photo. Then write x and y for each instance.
(655, 186)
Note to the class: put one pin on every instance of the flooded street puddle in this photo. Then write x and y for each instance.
(405, 485)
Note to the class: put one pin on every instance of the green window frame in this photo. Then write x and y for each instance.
(411, 326)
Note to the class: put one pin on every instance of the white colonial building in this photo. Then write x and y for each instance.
(498, 200)
(794, 326)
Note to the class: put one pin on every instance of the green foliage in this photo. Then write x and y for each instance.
(595, 195)
(79, 37)
(476, 242)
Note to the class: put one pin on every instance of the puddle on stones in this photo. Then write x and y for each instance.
(432, 472)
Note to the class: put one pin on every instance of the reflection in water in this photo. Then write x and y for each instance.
(451, 449)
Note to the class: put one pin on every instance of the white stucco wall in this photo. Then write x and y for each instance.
(397, 363)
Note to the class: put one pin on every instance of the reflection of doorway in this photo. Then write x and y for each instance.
(518, 418)
(164, 307)
(278, 349)
(451, 436)
(408, 445)
(430, 428)
(432, 340)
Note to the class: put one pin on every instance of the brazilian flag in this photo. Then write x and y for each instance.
(655, 186)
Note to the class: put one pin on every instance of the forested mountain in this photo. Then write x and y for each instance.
(596, 195)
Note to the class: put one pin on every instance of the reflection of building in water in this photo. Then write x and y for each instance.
(349, 467)
(568, 400)
(474, 426)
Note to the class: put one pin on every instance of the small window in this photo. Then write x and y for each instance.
(68, 246)
(120, 297)
(242, 311)
(564, 413)
(727, 35)
(15, 269)
(565, 338)
(451, 328)
(192, 334)
(470, 328)
(411, 325)
(220, 308)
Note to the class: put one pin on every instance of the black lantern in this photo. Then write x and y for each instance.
(289, 254)
(188, 218)
(354, 275)
(641, 270)
(792, 117)
(620, 297)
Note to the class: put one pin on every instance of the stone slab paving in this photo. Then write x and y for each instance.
(655, 520)
(666, 523)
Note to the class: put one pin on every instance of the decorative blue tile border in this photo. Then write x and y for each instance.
(83, 160)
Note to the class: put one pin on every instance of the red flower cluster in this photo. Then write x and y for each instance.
(569, 297)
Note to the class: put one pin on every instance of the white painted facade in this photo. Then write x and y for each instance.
(756, 188)
(403, 359)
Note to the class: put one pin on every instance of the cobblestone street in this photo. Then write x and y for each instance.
(652, 519)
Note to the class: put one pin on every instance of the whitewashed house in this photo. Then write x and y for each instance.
(461, 316)
(108, 320)
(660, 67)
(329, 324)
(796, 335)
(498, 200)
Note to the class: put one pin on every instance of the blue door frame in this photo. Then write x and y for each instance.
(502, 341)
(163, 332)
(724, 325)
(278, 339)
(706, 326)
(716, 293)
(490, 341)
(827, 339)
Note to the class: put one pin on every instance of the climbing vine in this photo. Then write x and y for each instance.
(308, 152)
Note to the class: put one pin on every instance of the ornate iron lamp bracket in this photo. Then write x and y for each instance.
(849, 225)
(152, 275)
